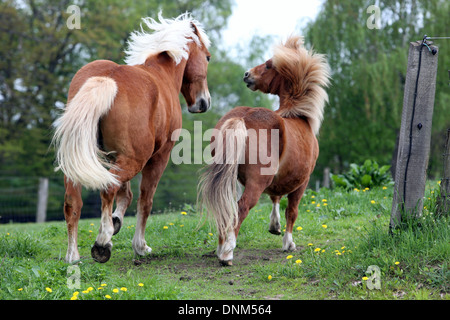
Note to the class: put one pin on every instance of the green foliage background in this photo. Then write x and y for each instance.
(39, 55)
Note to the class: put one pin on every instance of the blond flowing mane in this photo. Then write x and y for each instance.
(169, 35)
(308, 73)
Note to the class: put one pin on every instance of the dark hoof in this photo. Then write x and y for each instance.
(101, 254)
(275, 231)
(226, 263)
(117, 225)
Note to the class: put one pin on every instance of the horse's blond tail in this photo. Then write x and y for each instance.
(77, 153)
(218, 187)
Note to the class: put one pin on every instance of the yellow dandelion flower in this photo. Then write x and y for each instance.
(20, 289)
(308, 210)
(299, 228)
(100, 288)
(183, 213)
(372, 201)
(108, 296)
(171, 224)
(397, 263)
(85, 291)
(325, 204)
(140, 284)
(318, 205)
(123, 289)
(312, 197)
(90, 289)
(181, 225)
(91, 224)
(324, 226)
(269, 277)
(165, 227)
(324, 200)
(49, 290)
(356, 189)
(298, 261)
(310, 244)
(103, 285)
(74, 298)
(76, 293)
(115, 290)
(365, 278)
(384, 188)
(323, 250)
(342, 248)
(338, 253)
(317, 249)
(313, 202)
(289, 257)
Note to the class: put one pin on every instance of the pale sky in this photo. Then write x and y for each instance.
(278, 18)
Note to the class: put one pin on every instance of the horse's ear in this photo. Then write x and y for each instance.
(194, 27)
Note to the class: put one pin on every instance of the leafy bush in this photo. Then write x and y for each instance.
(368, 175)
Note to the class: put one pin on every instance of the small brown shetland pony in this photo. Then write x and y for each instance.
(298, 77)
(119, 121)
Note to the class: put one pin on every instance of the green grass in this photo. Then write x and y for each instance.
(336, 243)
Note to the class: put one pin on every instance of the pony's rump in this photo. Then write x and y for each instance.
(77, 153)
(218, 188)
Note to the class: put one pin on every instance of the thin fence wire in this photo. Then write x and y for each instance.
(19, 198)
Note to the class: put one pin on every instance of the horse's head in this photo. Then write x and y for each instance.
(195, 85)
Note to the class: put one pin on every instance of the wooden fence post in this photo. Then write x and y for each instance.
(443, 202)
(415, 132)
(41, 213)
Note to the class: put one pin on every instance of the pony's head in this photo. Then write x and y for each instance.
(298, 76)
(182, 38)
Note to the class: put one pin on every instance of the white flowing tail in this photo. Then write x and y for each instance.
(218, 188)
(77, 153)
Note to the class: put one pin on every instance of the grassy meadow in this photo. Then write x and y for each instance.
(338, 234)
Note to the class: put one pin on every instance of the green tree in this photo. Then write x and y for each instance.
(363, 116)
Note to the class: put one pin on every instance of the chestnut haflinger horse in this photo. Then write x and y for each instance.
(298, 77)
(119, 120)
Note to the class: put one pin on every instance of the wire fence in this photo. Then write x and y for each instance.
(19, 197)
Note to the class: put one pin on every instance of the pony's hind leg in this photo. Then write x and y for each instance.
(72, 211)
(275, 226)
(248, 200)
(291, 216)
(124, 197)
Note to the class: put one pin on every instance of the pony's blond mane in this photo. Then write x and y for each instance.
(169, 35)
(308, 74)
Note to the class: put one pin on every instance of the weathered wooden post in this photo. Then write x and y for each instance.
(415, 132)
(443, 202)
(41, 213)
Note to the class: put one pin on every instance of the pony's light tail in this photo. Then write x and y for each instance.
(218, 187)
(77, 153)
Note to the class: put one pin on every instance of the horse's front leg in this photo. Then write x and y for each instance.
(151, 174)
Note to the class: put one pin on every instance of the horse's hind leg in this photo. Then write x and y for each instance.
(72, 211)
(124, 197)
(101, 251)
(291, 215)
(274, 226)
